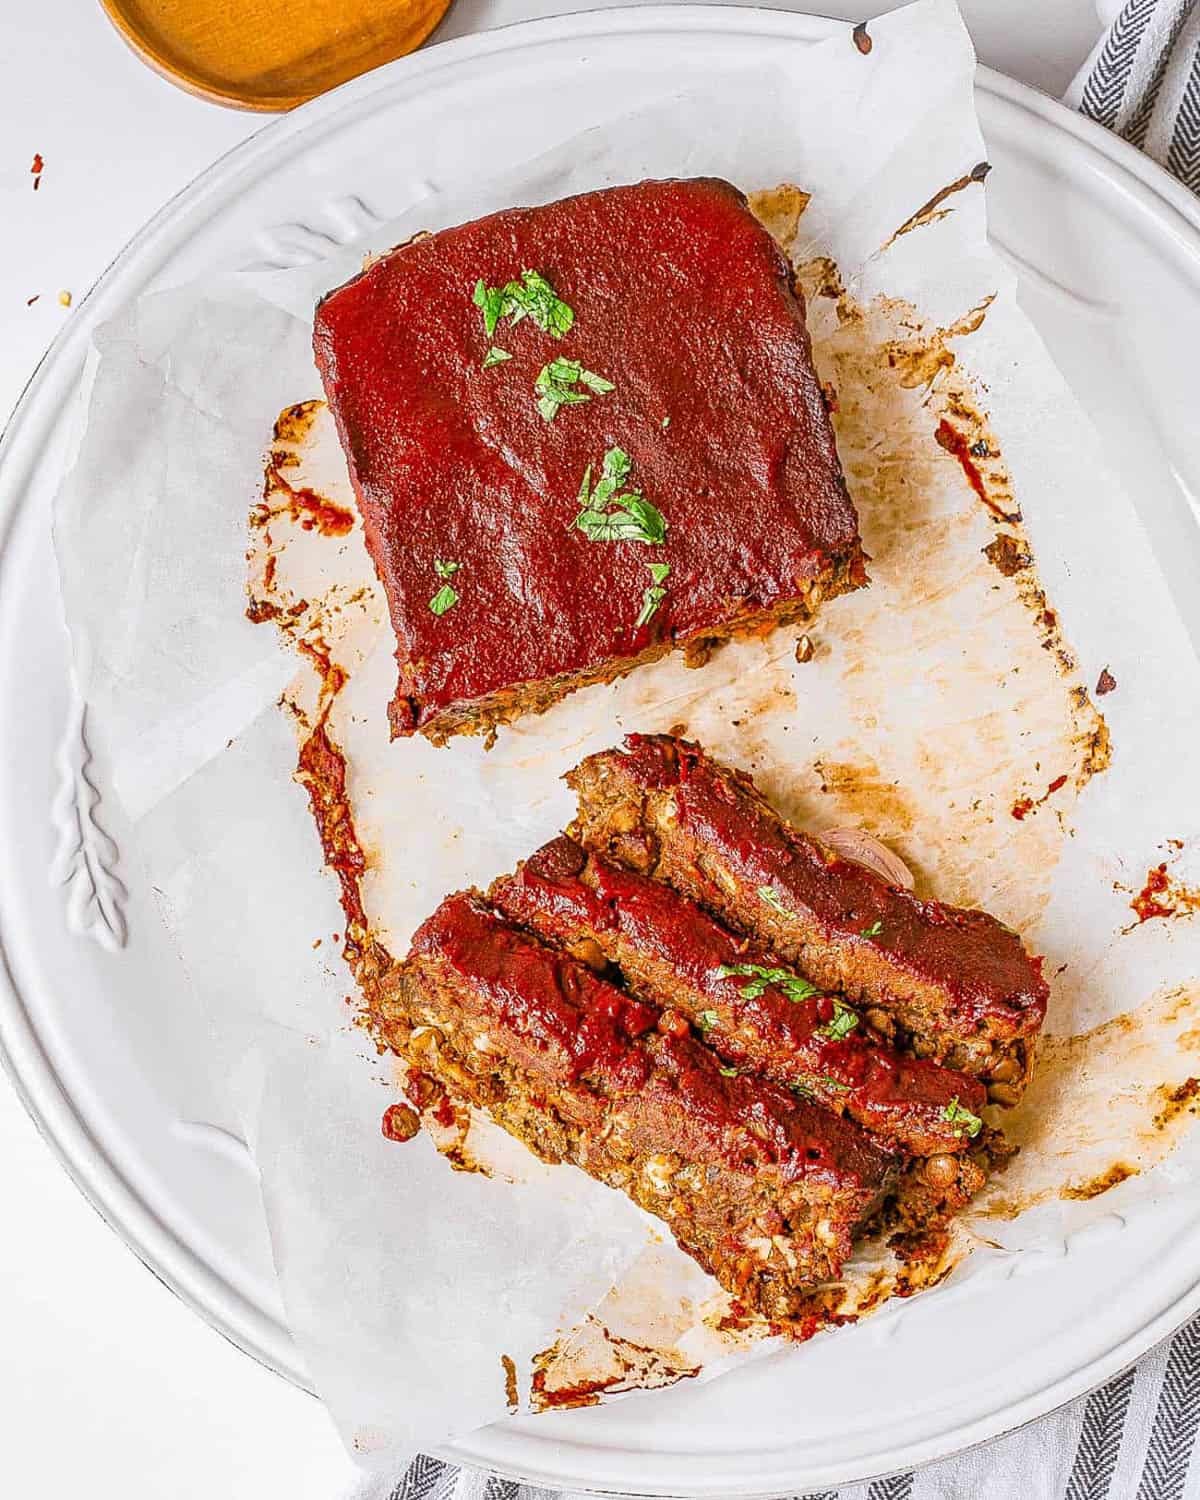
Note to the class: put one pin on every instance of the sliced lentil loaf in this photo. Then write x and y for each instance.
(764, 1191)
(955, 984)
(750, 1010)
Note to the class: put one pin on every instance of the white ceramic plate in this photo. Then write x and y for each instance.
(1109, 250)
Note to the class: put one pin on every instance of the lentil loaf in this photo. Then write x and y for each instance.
(750, 1010)
(764, 1191)
(953, 984)
(582, 435)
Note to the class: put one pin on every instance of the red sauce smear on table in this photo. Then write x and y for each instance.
(37, 169)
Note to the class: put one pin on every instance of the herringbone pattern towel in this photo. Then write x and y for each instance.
(1136, 1437)
(1143, 81)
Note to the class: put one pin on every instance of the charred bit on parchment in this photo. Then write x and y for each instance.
(930, 212)
(511, 1395)
(1105, 683)
(1008, 554)
(1185, 1096)
(862, 38)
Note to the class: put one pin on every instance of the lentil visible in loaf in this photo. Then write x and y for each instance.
(763, 1191)
(683, 307)
(674, 954)
(954, 982)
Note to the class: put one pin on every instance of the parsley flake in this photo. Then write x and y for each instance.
(706, 1020)
(490, 301)
(495, 356)
(802, 1091)
(773, 901)
(531, 297)
(958, 1114)
(873, 931)
(843, 1023)
(795, 988)
(834, 1084)
(633, 518)
(447, 596)
(666, 422)
(729, 1072)
(654, 593)
(556, 381)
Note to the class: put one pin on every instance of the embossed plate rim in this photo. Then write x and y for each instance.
(550, 1455)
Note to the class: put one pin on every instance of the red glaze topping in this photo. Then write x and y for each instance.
(560, 891)
(570, 1027)
(977, 962)
(685, 303)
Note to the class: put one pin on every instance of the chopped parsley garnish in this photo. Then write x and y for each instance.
(495, 356)
(706, 1020)
(729, 1072)
(843, 1023)
(534, 297)
(666, 422)
(873, 931)
(447, 596)
(654, 593)
(633, 518)
(490, 301)
(802, 1091)
(556, 381)
(958, 1114)
(792, 985)
(834, 1084)
(531, 297)
(773, 901)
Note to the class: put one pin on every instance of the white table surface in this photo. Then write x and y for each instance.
(108, 1385)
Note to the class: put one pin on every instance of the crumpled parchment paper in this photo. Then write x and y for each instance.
(939, 710)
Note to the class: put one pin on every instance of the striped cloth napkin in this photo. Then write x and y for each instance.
(1136, 1437)
(1143, 81)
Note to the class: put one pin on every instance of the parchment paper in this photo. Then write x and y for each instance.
(937, 704)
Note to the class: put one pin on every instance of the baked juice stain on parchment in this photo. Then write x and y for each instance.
(592, 1361)
(1103, 1106)
(945, 693)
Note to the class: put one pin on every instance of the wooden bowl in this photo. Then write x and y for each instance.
(261, 54)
